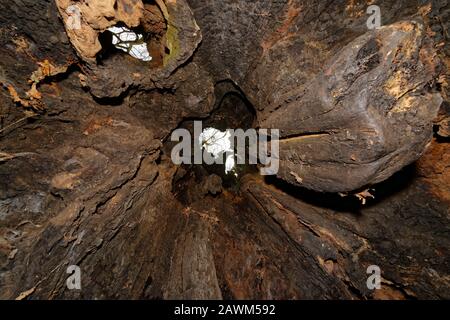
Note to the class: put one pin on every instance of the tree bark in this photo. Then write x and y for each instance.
(86, 176)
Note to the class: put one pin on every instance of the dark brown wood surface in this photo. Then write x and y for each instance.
(86, 177)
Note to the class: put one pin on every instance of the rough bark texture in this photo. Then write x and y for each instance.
(86, 176)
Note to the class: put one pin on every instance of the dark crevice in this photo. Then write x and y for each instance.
(349, 203)
(232, 111)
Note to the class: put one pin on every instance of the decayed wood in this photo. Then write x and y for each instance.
(97, 188)
(367, 115)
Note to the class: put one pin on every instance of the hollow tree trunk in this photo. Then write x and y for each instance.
(86, 176)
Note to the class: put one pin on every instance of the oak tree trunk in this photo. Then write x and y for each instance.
(86, 176)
